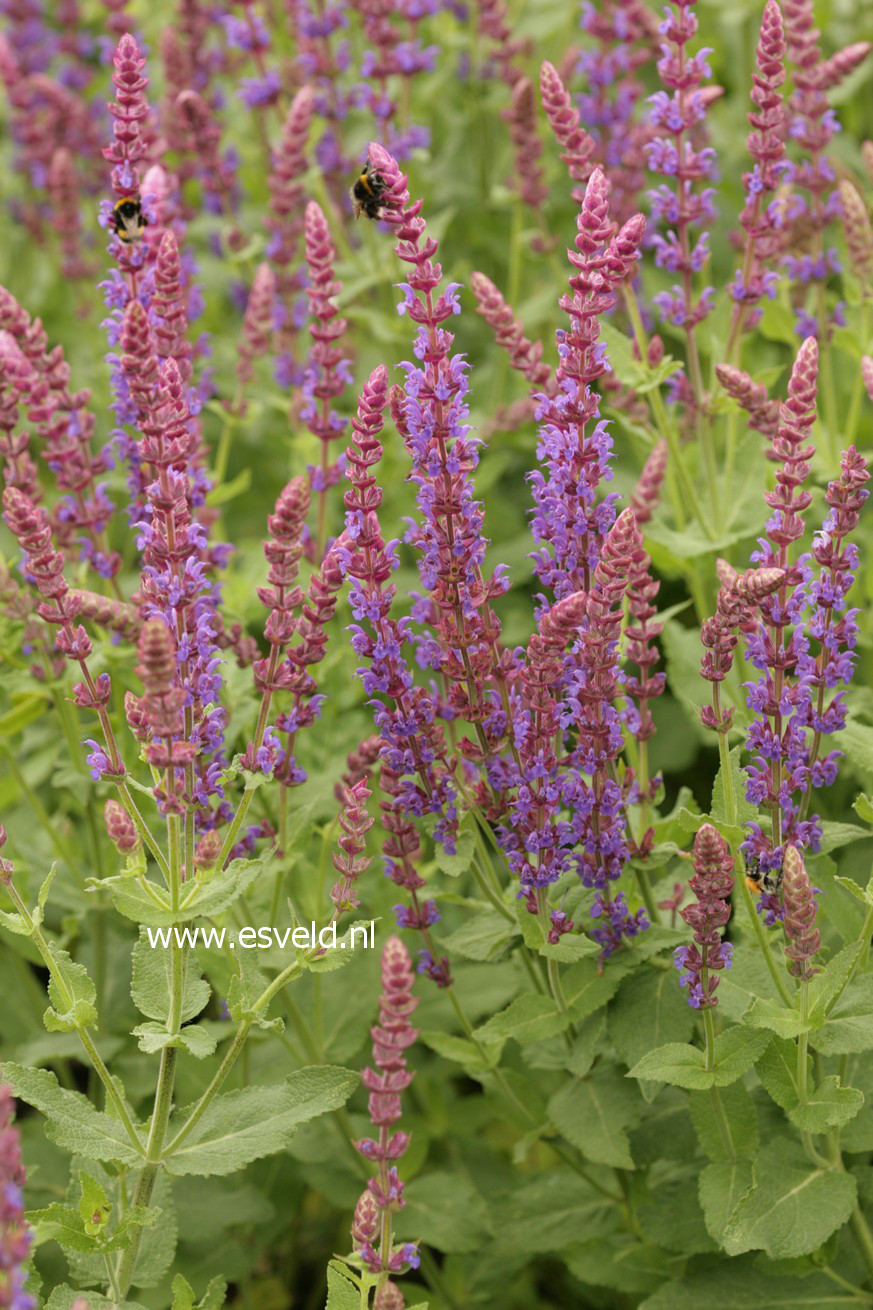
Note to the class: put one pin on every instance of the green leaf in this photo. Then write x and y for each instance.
(526, 1019)
(764, 1013)
(618, 1261)
(656, 994)
(342, 1293)
(72, 1120)
(461, 1051)
(238, 1127)
(445, 1211)
(742, 1285)
(76, 1009)
(151, 982)
(246, 987)
(829, 1106)
(183, 1295)
(547, 1214)
(27, 711)
(587, 988)
(63, 1224)
(829, 982)
(793, 1207)
(594, 1113)
(65, 1297)
(671, 1218)
(727, 1128)
(863, 807)
(207, 896)
(194, 1038)
(777, 1070)
(745, 811)
(684, 1066)
(849, 1026)
(721, 1188)
(481, 937)
(94, 1208)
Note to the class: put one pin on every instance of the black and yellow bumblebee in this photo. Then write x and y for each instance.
(760, 880)
(367, 193)
(128, 219)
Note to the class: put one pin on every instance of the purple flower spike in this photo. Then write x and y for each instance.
(699, 964)
(393, 1035)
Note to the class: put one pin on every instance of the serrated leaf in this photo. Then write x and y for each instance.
(671, 1218)
(342, 1293)
(65, 1297)
(207, 896)
(669, 1018)
(72, 1120)
(618, 1261)
(526, 1019)
(463, 1052)
(548, 1213)
(745, 811)
(726, 1128)
(183, 1295)
(94, 1208)
(764, 1013)
(830, 1105)
(741, 1284)
(151, 982)
(849, 1027)
(777, 1070)
(481, 937)
(793, 1207)
(444, 1210)
(588, 988)
(246, 1125)
(685, 1066)
(722, 1186)
(194, 1038)
(594, 1113)
(76, 1009)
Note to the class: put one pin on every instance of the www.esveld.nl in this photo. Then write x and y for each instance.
(301, 936)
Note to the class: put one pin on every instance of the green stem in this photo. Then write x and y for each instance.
(708, 1029)
(730, 805)
(858, 388)
(863, 1237)
(803, 1043)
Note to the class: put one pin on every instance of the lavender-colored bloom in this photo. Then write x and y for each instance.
(393, 1035)
(681, 204)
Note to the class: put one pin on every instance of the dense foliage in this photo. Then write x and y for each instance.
(497, 526)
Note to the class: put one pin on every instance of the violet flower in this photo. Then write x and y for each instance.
(393, 1035)
(286, 224)
(813, 127)
(625, 40)
(527, 172)
(430, 414)
(39, 379)
(779, 698)
(680, 204)
(700, 964)
(766, 144)
(327, 371)
(413, 745)
(575, 446)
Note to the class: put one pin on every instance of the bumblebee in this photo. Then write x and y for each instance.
(760, 880)
(128, 220)
(367, 193)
